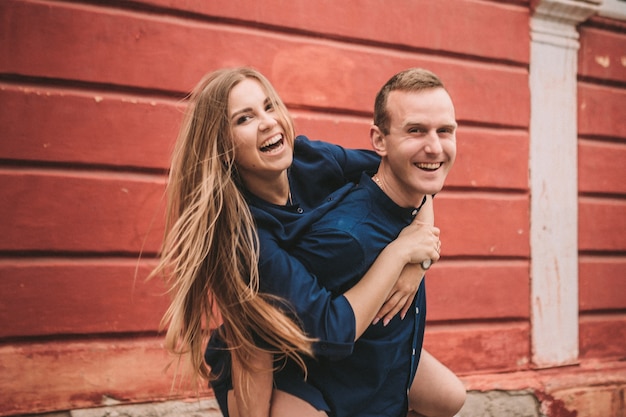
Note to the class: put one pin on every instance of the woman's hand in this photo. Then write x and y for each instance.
(402, 295)
(417, 242)
(421, 242)
(379, 295)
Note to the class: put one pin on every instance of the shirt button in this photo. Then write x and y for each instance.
(413, 352)
(417, 310)
(300, 211)
(414, 212)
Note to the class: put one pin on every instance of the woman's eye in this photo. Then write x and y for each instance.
(242, 119)
(269, 107)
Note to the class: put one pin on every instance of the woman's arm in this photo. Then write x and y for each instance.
(337, 321)
(376, 286)
(401, 296)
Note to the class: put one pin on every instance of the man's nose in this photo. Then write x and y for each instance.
(433, 144)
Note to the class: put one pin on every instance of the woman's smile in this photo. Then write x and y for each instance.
(273, 144)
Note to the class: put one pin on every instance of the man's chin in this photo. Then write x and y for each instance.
(431, 190)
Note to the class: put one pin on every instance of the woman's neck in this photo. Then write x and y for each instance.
(273, 190)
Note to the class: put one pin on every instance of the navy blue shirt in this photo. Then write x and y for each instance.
(320, 177)
(339, 248)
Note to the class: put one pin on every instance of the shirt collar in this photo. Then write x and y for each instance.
(387, 203)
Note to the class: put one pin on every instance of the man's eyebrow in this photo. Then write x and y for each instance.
(453, 125)
(416, 123)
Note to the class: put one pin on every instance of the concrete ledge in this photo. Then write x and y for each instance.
(501, 403)
(180, 408)
(188, 408)
(588, 389)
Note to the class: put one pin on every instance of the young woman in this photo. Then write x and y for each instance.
(236, 149)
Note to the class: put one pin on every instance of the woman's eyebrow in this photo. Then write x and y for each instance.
(249, 109)
(240, 111)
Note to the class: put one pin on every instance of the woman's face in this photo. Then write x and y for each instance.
(262, 150)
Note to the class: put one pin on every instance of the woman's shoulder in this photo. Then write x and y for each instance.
(307, 149)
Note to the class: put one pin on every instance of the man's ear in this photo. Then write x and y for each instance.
(378, 140)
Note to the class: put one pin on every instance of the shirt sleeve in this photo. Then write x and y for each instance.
(351, 162)
(354, 162)
(327, 317)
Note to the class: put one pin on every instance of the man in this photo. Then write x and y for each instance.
(414, 132)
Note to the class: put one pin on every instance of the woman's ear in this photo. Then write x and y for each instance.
(378, 140)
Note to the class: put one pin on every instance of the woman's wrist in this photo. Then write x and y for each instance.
(399, 253)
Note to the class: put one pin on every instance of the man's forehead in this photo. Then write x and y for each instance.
(400, 95)
(431, 106)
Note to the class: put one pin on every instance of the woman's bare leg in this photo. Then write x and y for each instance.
(287, 405)
(435, 391)
(283, 405)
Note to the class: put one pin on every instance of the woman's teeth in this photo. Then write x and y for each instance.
(272, 143)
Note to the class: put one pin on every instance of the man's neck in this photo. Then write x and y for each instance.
(393, 190)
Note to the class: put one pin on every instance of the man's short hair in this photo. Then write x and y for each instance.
(412, 79)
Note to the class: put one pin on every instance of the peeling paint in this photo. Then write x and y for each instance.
(603, 61)
(110, 400)
(623, 60)
(552, 407)
(98, 99)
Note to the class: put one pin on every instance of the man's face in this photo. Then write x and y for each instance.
(420, 148)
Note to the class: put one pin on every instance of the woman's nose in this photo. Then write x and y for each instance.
(267, 121)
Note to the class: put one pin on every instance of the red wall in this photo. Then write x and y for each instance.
(602, 189)
(91, 103)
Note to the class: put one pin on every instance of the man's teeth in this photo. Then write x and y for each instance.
(425, 165)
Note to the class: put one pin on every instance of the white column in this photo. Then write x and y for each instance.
(553, 179)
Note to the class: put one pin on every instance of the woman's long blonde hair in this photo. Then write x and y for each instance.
(210, 252)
